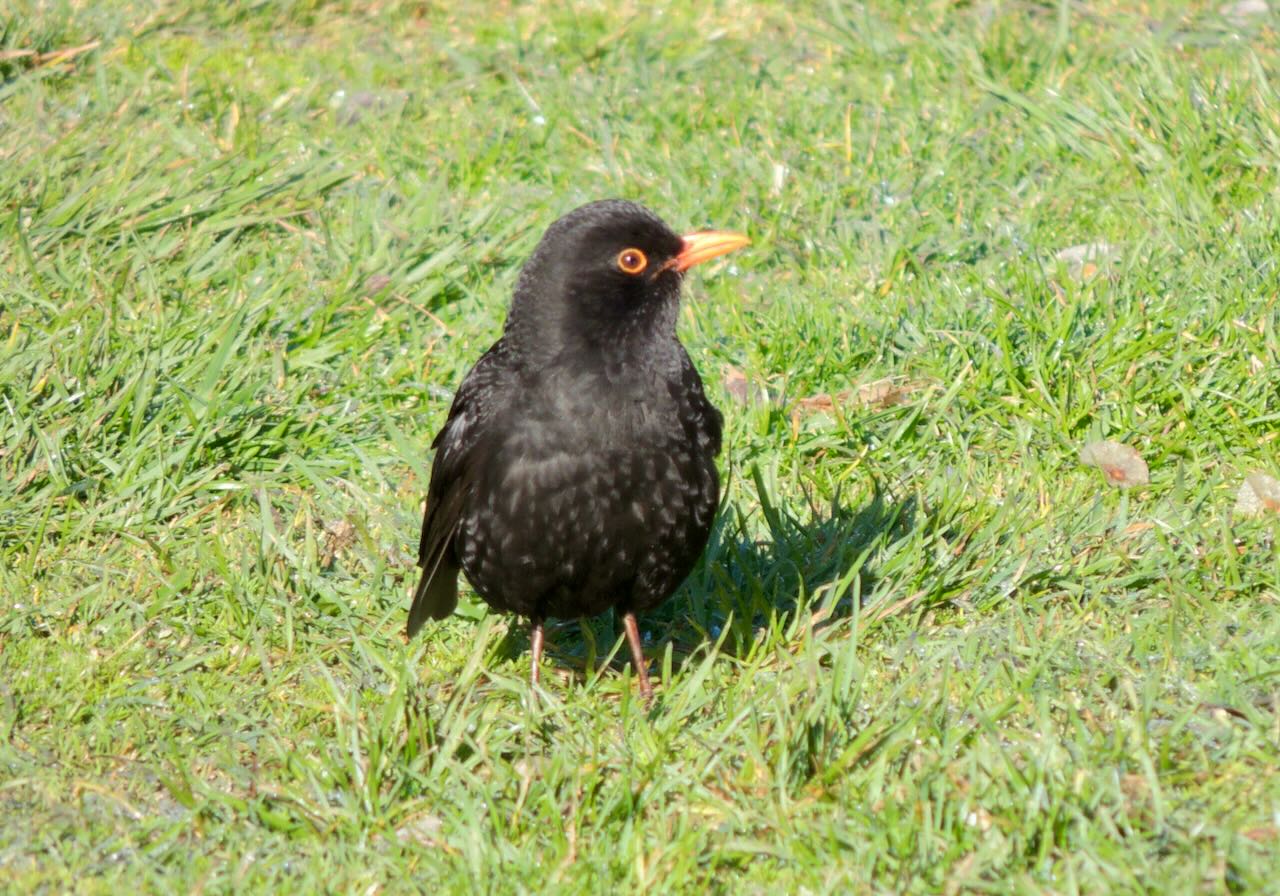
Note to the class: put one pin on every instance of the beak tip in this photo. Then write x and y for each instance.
(706, 245)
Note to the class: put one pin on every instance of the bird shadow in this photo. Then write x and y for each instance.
(752, 579)
(749, 577)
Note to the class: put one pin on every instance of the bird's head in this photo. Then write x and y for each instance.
(611, 267)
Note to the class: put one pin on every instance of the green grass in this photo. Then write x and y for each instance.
(249, 250)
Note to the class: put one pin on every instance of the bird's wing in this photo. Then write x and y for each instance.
(460, 449)
(707, 422)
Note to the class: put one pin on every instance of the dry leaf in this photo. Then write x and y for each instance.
(1263, 833)
(888, 392)
(350, 108)
(979, 818)
(1134, 787)
(735, 384)
(1243, 10)
(422, 829)
(1259, 494)
(742, 389)
(1084, 260)
(1123, 466)
(376, 283)
(878, 395)
(820, 403)
(338, 536)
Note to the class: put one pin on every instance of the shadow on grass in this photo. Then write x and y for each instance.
(825, 563)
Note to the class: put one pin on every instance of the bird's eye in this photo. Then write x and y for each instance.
(632, 261)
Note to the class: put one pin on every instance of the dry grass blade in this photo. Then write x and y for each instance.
(896, 608)
(36, 58)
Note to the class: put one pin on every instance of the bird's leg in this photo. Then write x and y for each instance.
(637, 655)
(588, 635)
(535, 643)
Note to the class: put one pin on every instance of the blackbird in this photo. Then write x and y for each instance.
(576, 470)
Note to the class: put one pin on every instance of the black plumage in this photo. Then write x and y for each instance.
(576, 470)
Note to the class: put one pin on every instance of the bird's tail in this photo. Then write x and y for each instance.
(436, 595)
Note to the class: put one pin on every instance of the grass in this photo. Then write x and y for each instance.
(251, 248)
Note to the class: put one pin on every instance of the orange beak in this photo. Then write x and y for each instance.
(706, 245)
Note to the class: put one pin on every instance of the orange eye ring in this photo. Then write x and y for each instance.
(632, 261)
